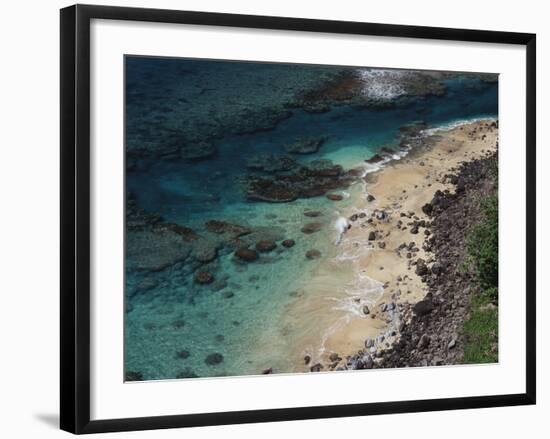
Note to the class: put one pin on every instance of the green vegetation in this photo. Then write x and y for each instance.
(483, 246)
(481, 328)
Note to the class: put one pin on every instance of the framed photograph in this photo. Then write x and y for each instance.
(268, 218)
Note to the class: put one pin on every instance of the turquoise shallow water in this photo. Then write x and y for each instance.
(171, 328)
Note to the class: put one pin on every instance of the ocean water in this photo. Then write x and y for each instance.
(173, 327)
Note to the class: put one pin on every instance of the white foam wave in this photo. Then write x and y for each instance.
(362, 291)
(382, 84)
(353, 251)
(458, 123)
(341, 225)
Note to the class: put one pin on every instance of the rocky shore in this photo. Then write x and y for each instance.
(431, 330)
(418, 238)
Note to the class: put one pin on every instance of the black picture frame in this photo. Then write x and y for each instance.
(75, 217)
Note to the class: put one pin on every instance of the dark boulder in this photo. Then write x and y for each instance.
(288, 243)
(423, 307)
(219, 227)
(424, 342)
(421, 267)
(316, 367)
(214, 359)
(313, 254)
(376, 158)
(335, 197)
(265, 245)
(437, 268)
(183, 354)
(246, 254)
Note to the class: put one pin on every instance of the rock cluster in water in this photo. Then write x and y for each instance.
(313, 180)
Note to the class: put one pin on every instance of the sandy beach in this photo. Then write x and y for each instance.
(378, 254)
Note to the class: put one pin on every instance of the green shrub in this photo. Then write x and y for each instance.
(483, 246)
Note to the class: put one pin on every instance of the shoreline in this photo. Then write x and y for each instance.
(322, 314)
(386, 245)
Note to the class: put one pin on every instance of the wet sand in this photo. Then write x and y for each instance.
(351, 296)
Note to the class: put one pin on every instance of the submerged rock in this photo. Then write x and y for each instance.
(214, 359)
(335, 197)
(376, 158)
(313, 254)
(154, 250)
(311, 228)
(204, 251)
(183, 354)
(271, 163)
(219, 227)
(132, 375)
(267, 190)
(146, 284)
(178, 324)
(288, 243)
(313, 180)
(307, 145)
(313, 213)
(246, 254)
(265, 246)
(203, 277)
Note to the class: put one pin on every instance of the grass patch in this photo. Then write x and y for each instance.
(481, 330)
(481, 327)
